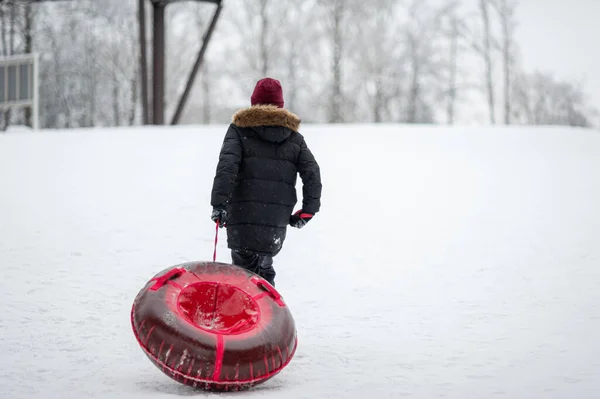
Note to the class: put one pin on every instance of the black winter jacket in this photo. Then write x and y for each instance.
(261, 157)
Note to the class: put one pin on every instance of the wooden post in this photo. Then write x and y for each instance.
(143, 61)
(158, 86)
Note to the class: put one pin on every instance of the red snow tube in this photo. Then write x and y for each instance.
(214, 326)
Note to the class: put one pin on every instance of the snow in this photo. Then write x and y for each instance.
(446, 262)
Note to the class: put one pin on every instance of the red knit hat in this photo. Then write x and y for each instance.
(267, 91)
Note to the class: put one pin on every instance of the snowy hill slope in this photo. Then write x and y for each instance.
(456, 263)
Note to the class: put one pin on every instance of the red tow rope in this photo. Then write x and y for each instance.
(216, 241)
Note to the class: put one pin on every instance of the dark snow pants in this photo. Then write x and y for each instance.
(259, 264)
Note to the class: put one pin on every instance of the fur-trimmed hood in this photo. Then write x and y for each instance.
(270, 122)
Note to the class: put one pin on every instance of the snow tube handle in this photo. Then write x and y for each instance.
(269, 289)
(165, 278)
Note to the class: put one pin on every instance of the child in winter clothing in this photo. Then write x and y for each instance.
(254, 190)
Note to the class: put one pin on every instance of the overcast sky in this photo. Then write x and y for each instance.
(562, 36)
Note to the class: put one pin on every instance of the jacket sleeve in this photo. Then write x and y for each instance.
(310, 173)
(228, 166)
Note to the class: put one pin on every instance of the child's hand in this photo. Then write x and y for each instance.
(219, 216)
(299, 219)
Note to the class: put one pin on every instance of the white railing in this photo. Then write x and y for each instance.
(19, 84)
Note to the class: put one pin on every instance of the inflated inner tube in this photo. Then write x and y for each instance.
(214, 326)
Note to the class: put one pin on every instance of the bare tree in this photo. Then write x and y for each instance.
(300, 48)
(541, 99)
(258, 24)
(506, 13)
(336, 65)
(12, 29)
(424, 38)
(119, 62)
(452, 66)
(3, 27)
(264, 33)
(458, 42)
(207, 79)
(11, 11)
(206, 91)
(3, 41)
(486, 53)
(375, 64)
(338, 60)
(91, 78)
(257, 48)
(342, 22)
(292, 71)
(94, 80)
(310, 62)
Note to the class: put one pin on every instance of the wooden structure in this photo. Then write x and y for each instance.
(157, 117)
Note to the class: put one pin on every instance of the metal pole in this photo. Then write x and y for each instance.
(143, 60)
(198, 63)
(158, 87)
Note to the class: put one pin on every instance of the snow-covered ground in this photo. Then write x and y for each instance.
(446, 263)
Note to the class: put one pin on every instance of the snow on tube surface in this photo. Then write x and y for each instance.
(214, 326)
